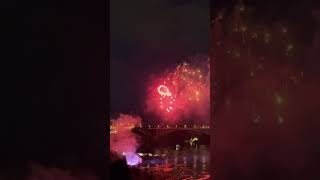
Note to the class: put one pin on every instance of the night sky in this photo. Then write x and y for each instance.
(53, 81)
(146, 38)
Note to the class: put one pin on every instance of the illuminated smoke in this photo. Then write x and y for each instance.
(182, 91)
(122, 140)
(133, 159)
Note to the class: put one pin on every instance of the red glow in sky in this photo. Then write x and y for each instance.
(180, 92)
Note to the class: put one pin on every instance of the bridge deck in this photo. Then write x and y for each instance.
(179, 128)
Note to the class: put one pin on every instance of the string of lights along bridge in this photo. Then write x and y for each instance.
(113, 129)
(178, 127)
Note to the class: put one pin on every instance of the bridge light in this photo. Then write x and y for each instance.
(149, 126)
(185, 126)
(176, 126)
(158, 126)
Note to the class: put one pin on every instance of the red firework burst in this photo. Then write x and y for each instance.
(167, 100)
(182, 91)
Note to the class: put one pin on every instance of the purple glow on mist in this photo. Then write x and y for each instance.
(133, 159)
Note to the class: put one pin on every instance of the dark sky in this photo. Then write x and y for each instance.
(148, 36)
(53, 84)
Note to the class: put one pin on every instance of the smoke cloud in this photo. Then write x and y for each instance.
(123, 141)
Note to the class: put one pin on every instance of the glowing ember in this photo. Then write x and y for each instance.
(166, 98)
(163, 90)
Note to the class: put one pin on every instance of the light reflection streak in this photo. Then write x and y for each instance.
(185, 164)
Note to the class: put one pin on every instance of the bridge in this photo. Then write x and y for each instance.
(160, 131)
(163, 130)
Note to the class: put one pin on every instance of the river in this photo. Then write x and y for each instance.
(185, 163)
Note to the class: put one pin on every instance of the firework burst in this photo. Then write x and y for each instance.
(182, 91)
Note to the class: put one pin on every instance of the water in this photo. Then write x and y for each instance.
(187, 162)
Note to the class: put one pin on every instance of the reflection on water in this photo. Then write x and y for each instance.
(186, 163)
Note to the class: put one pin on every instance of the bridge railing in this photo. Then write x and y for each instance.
(176, 127)
(112, 128)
